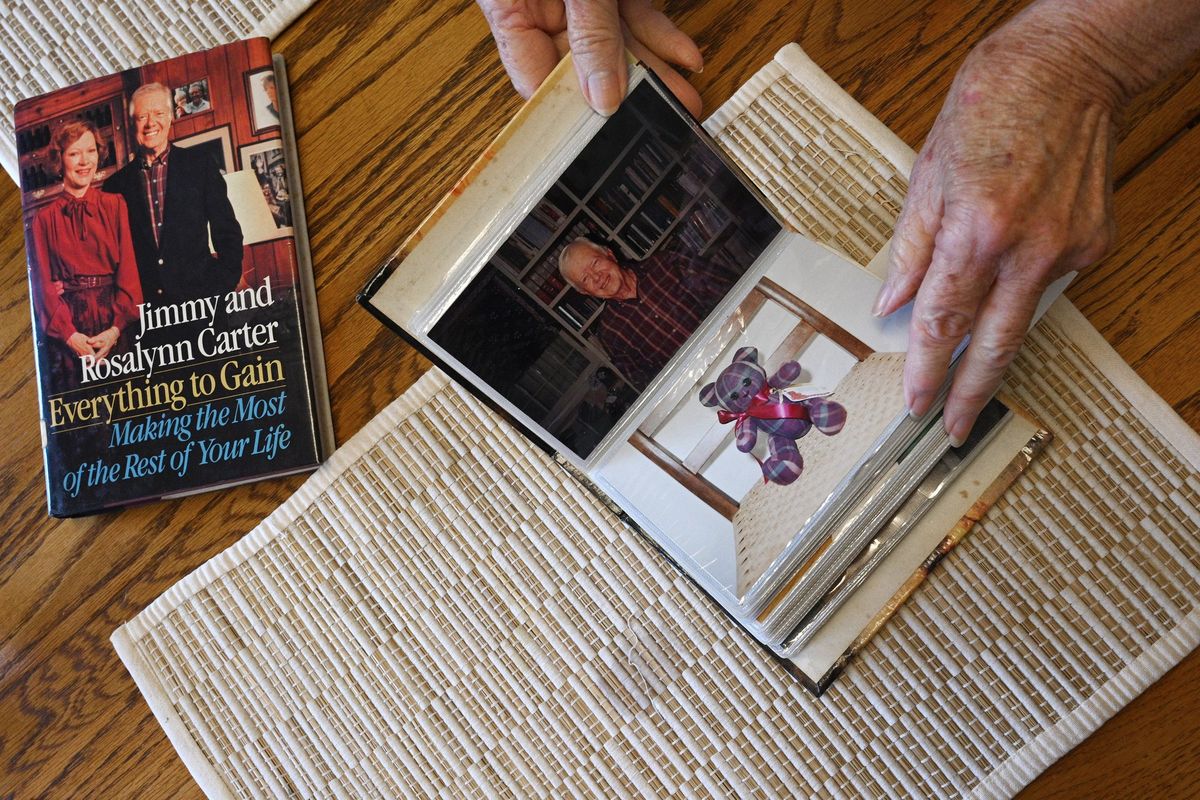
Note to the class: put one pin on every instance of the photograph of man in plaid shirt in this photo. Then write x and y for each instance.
(651, 307)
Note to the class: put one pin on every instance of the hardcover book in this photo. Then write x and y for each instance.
(626, 295)
(173, 304)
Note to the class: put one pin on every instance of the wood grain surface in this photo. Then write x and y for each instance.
(393, 100)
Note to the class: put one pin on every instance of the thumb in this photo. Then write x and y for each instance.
(527, 50)
(594, 33)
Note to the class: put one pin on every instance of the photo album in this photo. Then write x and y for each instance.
(621, 291)
(174, 310)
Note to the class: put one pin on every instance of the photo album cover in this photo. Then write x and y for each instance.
(174, 315)
(620, 290)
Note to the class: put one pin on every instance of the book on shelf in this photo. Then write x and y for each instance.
(174, 312)
(732, 396)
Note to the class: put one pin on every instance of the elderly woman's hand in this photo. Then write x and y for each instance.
(1013, 187)
(532, 35)
(105, 341)
(1011, 190)
(80, 344)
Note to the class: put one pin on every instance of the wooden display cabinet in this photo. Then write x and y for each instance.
(101, 102)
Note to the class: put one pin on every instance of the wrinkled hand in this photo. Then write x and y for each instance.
(104, 341)
(1011, 191)
(533, 35)
(80, 345)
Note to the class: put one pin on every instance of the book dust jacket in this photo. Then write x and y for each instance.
(168, 307)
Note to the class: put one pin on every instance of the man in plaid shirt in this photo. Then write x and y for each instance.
(650, 309)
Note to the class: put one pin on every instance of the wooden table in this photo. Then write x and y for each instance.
(393, 100)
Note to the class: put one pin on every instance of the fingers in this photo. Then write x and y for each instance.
(683, 91)
(653, 29)
(960, 275)
(80, 344)
(532, 36)
(594, 31)
(526, 48)
(1091, 211)
(1004, 318)
(913, 240)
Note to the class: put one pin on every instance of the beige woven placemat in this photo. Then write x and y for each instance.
(41, 48)
(441, 611)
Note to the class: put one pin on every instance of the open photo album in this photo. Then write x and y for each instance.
(624, 294)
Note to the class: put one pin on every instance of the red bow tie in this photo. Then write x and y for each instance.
(763, 406)
(75, 210)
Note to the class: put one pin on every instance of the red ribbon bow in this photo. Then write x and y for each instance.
(763, 406)
(75, 210)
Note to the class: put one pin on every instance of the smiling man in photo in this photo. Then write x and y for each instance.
(177, 201)
(650, 308)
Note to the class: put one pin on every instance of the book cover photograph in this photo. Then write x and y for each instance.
(638, 308)
(170, 288)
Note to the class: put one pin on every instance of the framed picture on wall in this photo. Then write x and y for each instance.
(262, 99)
(265, 161)
(191, 98)
(216, 142)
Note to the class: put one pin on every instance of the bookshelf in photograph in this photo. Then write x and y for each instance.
(513, 343)
(39, 172)
(635, 188)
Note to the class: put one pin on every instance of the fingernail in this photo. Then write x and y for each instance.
(958, 428)
(883, 300)
(918, 404)
(604, 91)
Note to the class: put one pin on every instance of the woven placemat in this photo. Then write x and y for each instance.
(41, 49)
(441, 611)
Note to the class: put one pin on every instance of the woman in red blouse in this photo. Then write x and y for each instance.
(82, 256)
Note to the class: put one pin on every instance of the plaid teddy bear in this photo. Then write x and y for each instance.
(754, 402)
